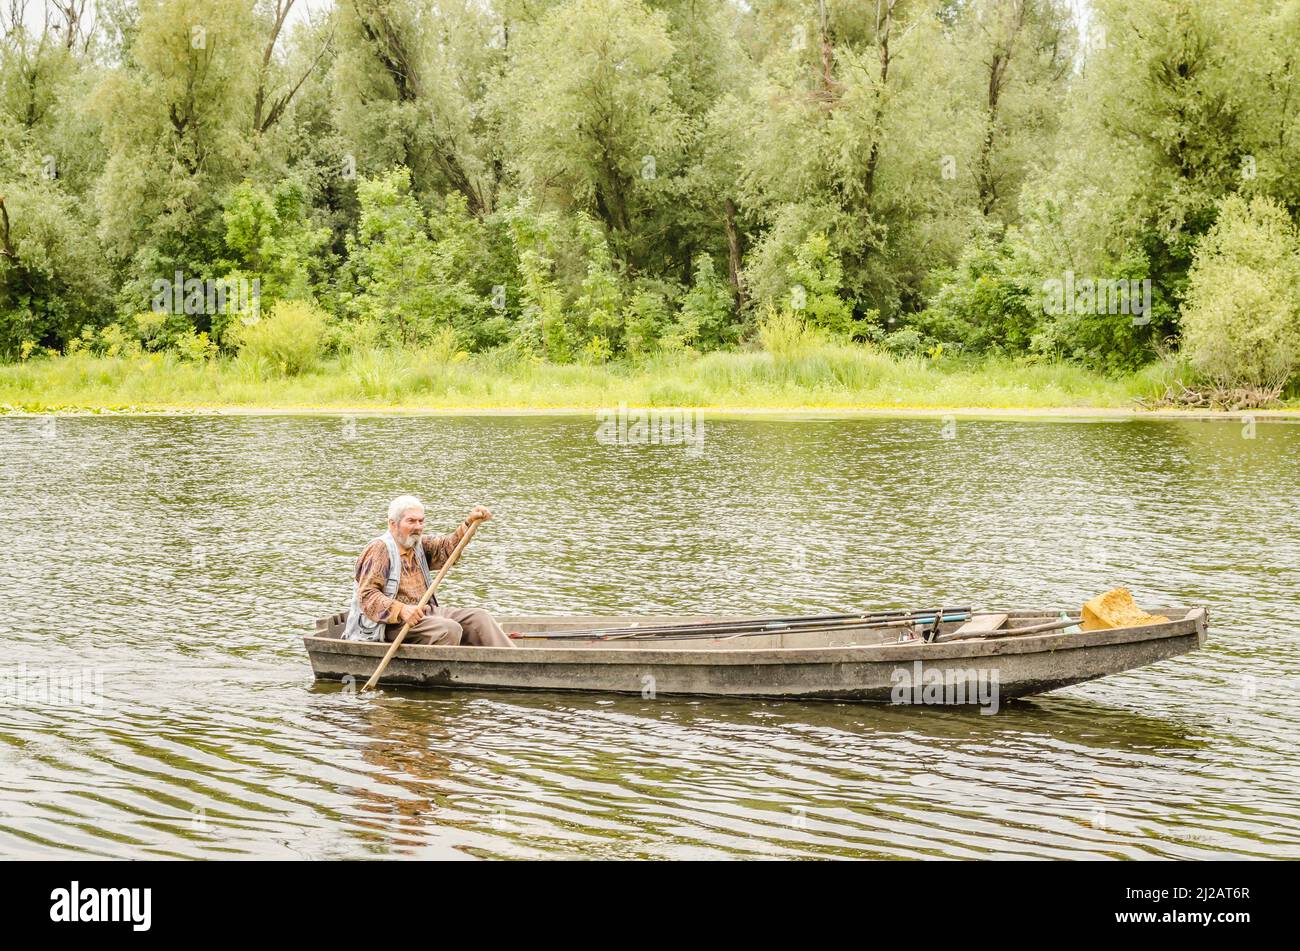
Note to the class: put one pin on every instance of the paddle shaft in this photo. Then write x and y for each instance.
(442, 573)
(1010, 631)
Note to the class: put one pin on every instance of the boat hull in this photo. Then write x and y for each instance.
(961, 672)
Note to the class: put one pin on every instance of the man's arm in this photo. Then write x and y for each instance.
(438, 548)
(372, 575)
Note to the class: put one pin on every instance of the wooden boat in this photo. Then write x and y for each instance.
(849, 659)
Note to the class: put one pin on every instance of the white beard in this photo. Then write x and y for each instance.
(408, 541)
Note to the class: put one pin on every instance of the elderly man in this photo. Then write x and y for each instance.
(392, 575)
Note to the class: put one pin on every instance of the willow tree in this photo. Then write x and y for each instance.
(1271, 123)
(1017, 57)
(410, 81)
(849, 133)
(175, 122)
(1155, 133)
(52, 277)
(588, 116)
(700, 210)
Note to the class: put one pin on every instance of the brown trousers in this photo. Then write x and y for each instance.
(448, 627)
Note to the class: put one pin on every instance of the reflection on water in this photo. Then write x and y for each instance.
(179, 559)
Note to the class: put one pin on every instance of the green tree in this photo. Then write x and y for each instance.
(406, 282)
(704, 321)
(52, 278)
(847, 134)
(587, 112)
(268, 237)
(410, 82)
(176, 135)
(1241, 321)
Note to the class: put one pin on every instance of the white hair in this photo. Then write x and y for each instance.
(401, 505)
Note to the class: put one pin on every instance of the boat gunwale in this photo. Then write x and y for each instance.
(1192, 623)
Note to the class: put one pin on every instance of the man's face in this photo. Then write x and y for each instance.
(408, 530)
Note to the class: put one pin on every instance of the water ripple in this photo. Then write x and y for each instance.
(178, 560)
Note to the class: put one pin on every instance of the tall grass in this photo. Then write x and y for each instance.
(784, 334)
(801, 373)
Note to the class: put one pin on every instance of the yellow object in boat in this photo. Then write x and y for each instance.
(1116, 609)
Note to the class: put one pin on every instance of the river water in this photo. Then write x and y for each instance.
(157, 572)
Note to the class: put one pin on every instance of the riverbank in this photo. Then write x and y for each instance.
(829, 379)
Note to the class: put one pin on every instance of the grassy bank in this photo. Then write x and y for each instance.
(822, 377)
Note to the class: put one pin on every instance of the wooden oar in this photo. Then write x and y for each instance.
(1009, 631)
(401, 635)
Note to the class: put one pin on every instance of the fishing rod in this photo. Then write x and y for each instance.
(922, 620)
(590, 633)
(773, 624)
(755, 626)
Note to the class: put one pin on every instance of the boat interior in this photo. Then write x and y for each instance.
(715, 632)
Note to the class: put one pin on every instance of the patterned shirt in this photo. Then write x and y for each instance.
(372, 574)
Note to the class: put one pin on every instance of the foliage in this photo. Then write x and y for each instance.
(816, 275)
(592, 182)
(1241, 325)
(268, 237)
(645, 319)
(407, 282)
(785, 334)
(290, 339)
(704, 321)
(986, 303)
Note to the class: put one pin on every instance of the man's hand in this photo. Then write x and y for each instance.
(480, 513)
(411, 613)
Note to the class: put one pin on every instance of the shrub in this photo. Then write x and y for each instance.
(906, 342)
(817, 270)
(115, 341)
(151, 329)
(784, 334)
(985, 303)
(269, 237)
(1241, 319)
(598, 309)
(705, 318)
(544, 327)
(1103, 342)
(597, 350)
(194, 347)
(355, 336)
(644, 319)
(54, 277)
(291, 338)
(407, 281)
(445, 348)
